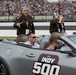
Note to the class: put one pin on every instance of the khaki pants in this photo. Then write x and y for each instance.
(21, 38)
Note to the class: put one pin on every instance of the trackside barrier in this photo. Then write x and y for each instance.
(41, 28)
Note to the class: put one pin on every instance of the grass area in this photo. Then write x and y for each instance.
(7, 37)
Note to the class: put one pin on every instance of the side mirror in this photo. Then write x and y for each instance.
(69, 52)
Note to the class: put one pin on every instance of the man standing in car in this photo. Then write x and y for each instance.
(54, 26)
(61, 22)
(24, 25)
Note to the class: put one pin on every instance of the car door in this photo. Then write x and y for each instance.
(46, 62)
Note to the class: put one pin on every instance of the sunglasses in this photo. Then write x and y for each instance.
(33, 37)
(57, 42)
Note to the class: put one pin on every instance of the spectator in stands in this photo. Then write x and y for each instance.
(24, 25)
(38, 7)
(32, 41)
(53, 43)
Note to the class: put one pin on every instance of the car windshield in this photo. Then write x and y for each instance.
(72, 38)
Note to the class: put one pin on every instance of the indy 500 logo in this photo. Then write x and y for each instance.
(46, 65)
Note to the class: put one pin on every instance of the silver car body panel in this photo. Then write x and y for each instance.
(21, 60)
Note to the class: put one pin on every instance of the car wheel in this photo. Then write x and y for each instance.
(3, 68)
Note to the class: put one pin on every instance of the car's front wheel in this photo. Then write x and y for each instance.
(3, 68)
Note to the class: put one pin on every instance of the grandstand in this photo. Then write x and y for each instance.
(40, 9)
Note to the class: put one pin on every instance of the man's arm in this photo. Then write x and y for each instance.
(17, 23)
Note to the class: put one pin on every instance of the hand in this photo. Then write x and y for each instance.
(64, 33)
(19, 23)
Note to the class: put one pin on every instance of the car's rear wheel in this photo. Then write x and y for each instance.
(3, 68)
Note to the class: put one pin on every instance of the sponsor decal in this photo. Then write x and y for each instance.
(46, 65)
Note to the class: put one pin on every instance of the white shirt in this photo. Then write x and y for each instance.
(36, 45)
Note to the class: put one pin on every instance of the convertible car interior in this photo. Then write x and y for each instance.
(17, 58)
(43, 43)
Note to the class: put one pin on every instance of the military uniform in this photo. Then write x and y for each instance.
(27, 24)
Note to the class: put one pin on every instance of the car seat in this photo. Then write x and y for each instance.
(44, 44)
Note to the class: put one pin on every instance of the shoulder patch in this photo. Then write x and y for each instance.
(17, 17)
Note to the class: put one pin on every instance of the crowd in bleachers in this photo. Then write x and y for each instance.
(38, 8)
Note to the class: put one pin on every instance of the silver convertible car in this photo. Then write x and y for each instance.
(21, 59)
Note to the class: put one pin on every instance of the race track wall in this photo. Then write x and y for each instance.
(41, 28)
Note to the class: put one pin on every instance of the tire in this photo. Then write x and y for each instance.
(3, 68)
